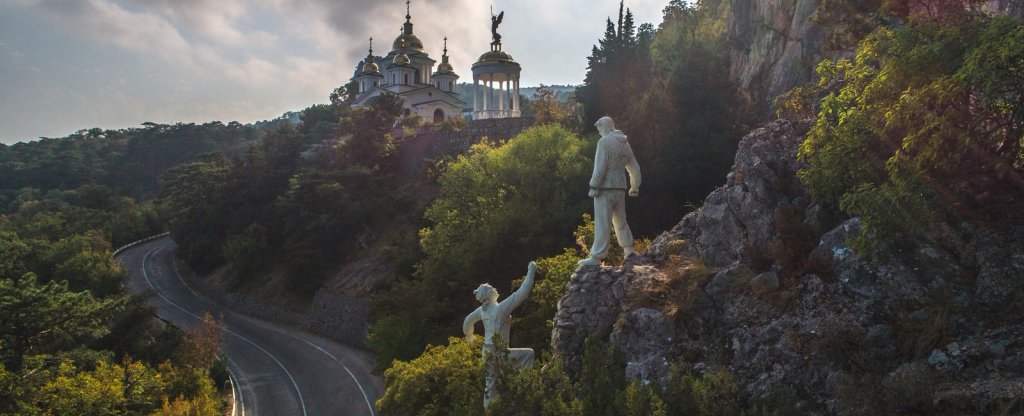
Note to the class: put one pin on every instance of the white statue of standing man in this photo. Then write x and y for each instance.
(497, 318)
(608, 187)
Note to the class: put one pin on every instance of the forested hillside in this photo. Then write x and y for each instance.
(864, 275)
(911, 137)
(129, 161)
(106, 180)
(71, 340)
(284, 214)
(284, 205)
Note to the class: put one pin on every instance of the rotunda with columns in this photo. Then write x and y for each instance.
(496, 81)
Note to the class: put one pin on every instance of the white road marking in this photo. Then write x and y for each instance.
(145, 274)
(238, 408)
(365, 397)
(369, 405)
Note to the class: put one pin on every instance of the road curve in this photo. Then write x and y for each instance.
(277, 370)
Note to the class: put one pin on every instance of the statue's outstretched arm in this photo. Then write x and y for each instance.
(514, 300)
(471, 320)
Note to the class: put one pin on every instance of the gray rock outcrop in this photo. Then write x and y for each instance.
(1008, 7)
(775, 46)
(760, 281)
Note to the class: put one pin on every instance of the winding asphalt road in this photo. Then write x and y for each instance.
(277, 370)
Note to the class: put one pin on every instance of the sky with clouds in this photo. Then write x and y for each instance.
(72, 64)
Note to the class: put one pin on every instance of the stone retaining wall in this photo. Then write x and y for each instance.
(336, 316)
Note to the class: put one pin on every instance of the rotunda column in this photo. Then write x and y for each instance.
(515, 98)
(490, 91)
(501, 94)
(476, 94)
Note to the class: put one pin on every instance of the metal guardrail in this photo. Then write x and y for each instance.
(235, 396)
(137, 242)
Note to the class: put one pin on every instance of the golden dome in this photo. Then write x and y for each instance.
(496, 56)
(444, 67)
(411, 42)
(407, 40)
(402, 59)
(371, 66)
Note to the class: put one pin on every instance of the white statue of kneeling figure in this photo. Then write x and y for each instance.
(497, 318)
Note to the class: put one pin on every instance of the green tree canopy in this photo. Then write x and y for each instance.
(497, 208)
(500, 206)
(445, 380)
(39, 318)
(193, 192)
(370, 130)
(925, 129)
(69, 337)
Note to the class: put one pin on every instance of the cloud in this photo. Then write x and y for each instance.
(12, 53)
(215, 20)
(117, 63)
(107, 22)
(151, 32)
(222, 22)
(255, 72)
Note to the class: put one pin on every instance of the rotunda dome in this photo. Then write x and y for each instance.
(496, 56)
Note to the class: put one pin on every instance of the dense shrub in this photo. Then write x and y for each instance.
(923, 132)
(448, 380)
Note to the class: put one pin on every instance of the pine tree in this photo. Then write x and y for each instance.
(617, 68)
(627, 32)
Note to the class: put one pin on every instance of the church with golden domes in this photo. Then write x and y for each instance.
(407, 71)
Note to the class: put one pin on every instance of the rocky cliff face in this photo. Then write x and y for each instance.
(759, 281)
(775, 46)
(1007, 7)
